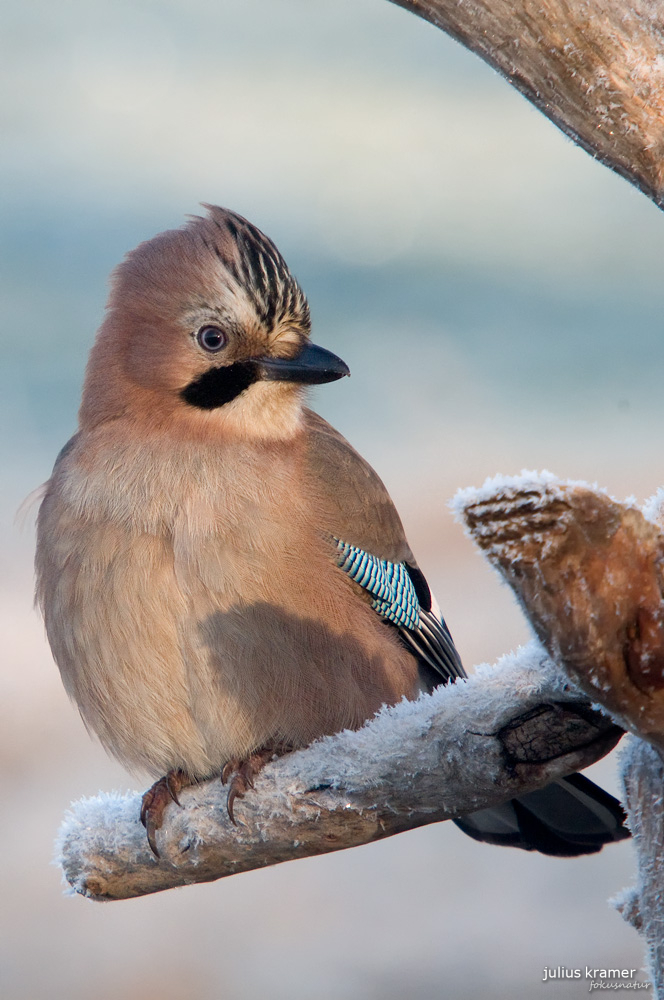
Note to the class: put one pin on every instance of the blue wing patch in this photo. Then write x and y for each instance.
(392, 593)
(394, 597)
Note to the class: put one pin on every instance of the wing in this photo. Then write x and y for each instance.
(371, 548)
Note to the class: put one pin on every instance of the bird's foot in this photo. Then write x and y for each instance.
(240, 775)
(155, 801)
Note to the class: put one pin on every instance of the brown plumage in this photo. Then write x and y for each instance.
(186, 559)
(190, 591)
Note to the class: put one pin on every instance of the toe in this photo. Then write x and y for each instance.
(155, 801)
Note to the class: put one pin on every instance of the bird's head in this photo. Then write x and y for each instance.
(207, 331)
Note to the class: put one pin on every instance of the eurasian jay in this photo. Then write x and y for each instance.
(221, 575)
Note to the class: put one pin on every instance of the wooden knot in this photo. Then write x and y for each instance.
(553, 730)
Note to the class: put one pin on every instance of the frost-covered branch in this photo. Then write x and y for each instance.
(642, 906)
(506, 731)
(594, 67)
(589, 573)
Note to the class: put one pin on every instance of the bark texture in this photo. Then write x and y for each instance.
(594, 67)
(589, 573)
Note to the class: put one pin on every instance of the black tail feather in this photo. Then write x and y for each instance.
(568, 818)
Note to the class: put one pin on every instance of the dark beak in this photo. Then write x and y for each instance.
(312, 366)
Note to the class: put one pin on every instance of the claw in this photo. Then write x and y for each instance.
(228, 768)
(240, 775)
(173, 786)
(239, 784)
(155, 801)
(151, 829)
(232, 795)
(144, 809)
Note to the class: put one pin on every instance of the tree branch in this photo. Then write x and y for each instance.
(641, 906)
(589, 573)
(594, 67)
(506, 731)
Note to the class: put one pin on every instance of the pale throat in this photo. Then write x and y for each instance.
(265, 412)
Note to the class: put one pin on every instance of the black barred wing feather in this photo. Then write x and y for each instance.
(400, 596)
(433, 643)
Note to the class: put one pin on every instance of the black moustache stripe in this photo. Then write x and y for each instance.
(217, 386)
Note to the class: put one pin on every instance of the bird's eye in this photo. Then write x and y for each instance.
(211, 338)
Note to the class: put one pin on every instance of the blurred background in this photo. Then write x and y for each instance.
(498, 297)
